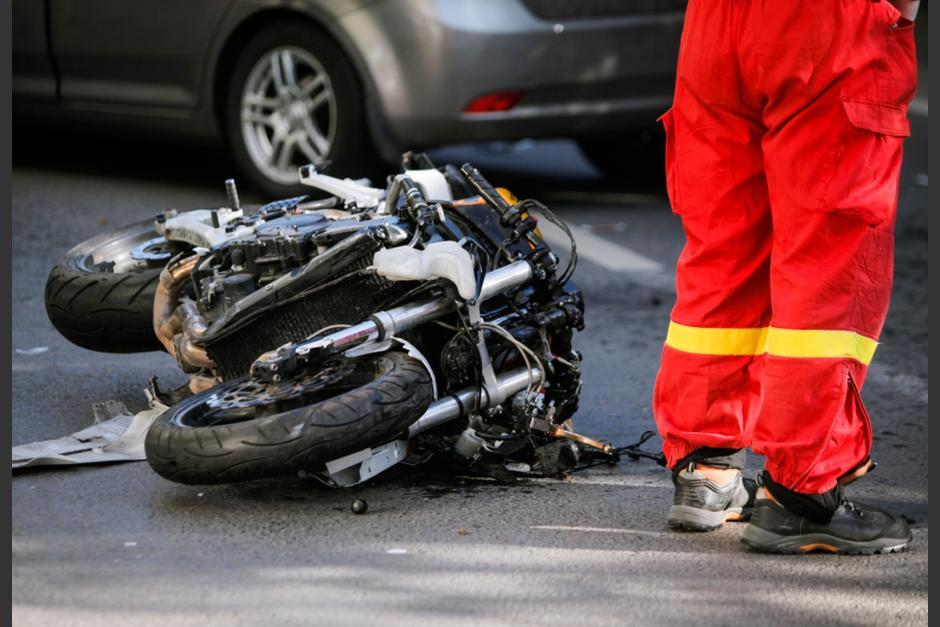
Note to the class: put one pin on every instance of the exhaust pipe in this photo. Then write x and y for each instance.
(178, 325)
(166, 299)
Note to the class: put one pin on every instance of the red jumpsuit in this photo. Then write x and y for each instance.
(783, 156)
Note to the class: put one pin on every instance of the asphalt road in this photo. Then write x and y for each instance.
(119, 545)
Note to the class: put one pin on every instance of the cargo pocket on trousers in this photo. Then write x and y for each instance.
(672, 172)
(864, 183)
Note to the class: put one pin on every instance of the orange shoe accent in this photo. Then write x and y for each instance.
(859, 472)
(734, 517)
(806, 548)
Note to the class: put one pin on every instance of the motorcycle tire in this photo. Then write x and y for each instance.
(101, 298)
(378, 399)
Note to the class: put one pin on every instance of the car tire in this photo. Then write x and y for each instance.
(637, 157)
(349, 152)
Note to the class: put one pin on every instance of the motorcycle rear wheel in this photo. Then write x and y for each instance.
(243, 429)
(100, 295)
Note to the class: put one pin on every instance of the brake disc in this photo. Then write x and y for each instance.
(253, 398)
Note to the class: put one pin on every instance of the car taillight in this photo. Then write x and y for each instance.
(494, 101)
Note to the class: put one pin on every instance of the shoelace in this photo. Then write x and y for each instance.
(852, 507)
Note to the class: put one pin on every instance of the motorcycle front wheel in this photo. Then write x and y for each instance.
(245, 429)
(100, 295)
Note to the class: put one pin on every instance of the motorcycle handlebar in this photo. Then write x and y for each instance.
(484, 188)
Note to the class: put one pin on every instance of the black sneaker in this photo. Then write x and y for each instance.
(854, 529)
(701, 505)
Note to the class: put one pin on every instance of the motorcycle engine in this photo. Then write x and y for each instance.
(236, 271)
(237, 268)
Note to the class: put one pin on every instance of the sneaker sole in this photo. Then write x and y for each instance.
(766, 541)
(688, 518)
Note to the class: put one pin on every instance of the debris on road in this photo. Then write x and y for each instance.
(116, 436)
(106, 410)
(359, 506)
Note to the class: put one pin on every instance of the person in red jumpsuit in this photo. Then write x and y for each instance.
(783, 152)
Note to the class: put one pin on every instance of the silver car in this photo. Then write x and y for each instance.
(289, 82)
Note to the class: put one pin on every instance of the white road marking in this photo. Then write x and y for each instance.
(598, 250)
(919, 107)
(32, 351)
(660, 481)
(637, 532)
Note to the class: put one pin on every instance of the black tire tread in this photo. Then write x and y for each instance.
(102, 311)
(308, 438)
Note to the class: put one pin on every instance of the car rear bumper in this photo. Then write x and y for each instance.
(428, 60)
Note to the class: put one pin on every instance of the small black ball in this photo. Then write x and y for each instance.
(359, 506)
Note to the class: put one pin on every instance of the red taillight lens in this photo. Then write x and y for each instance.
(494, 101)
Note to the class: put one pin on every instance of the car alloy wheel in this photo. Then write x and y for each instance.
(288, 113)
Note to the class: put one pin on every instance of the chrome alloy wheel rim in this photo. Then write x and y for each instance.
(288, 113)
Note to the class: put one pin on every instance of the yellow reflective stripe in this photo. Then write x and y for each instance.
(706, 341)
(771, 340)
(814, 343)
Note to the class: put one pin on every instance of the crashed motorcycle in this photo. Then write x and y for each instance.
(339, 336)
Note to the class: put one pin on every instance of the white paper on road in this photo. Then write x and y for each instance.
(118, 438)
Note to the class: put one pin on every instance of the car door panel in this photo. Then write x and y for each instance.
(33, 72)
(133, 52)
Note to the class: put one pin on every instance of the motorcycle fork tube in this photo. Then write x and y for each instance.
(470, 400)
(340, 341)
(380, 326)
(384, 324)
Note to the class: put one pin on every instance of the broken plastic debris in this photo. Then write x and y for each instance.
(36, 350)
(108, 409)
(116, 436)
(130, 544)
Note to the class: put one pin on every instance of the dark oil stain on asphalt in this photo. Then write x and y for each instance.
(437, 487)
(429, 481)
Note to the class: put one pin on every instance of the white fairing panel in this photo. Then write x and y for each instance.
(441, 260)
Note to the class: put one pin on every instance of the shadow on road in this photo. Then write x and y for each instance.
(533, 168)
